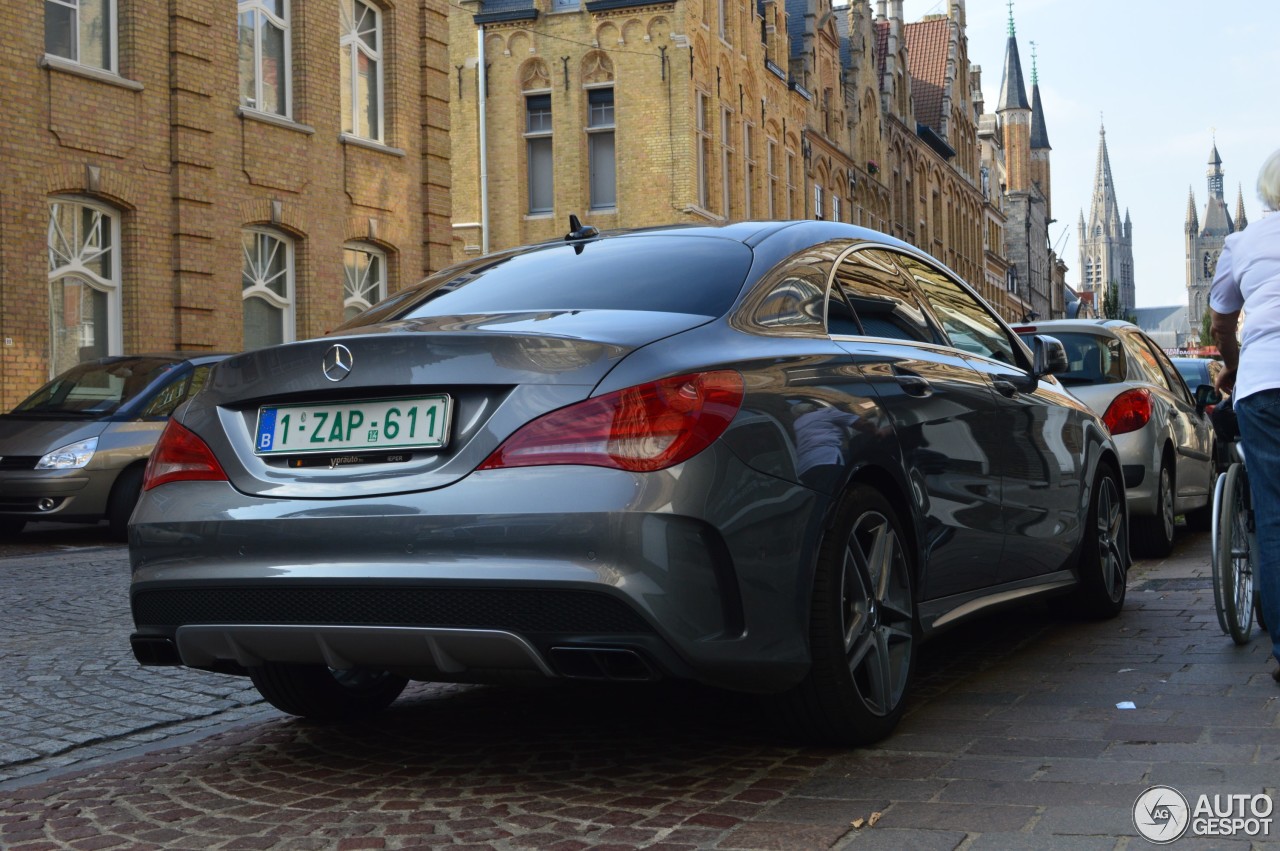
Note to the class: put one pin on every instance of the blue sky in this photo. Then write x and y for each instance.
(1165, 76)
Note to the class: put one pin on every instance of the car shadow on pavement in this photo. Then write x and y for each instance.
(488, 729)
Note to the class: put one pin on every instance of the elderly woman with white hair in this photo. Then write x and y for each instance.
(1248, 278)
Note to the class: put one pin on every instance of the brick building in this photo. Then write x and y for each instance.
(188, 175)
(636, 112)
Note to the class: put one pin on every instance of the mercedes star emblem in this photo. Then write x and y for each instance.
(337, 363)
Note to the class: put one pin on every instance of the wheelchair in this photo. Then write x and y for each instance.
(1234, 544)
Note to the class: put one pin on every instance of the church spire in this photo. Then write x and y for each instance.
(1217, 219)
(1039, 135)
(1014, 114)
(1105, 212)
(1193, 220)
(1108, 246)
(1215, 173)
(1241, 221)
(1013, 93)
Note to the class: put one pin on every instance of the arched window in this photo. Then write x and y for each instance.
(364, 281)
(361, 70)
(84, 283)
(267, 288)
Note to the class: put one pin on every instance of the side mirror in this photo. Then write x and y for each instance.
(1050, 355)
(1206, 395)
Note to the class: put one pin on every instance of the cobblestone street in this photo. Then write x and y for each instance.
(1013, 740)
(71, 690)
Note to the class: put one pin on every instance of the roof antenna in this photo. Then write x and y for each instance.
(579, 231)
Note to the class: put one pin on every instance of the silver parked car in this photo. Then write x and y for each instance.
(75, 450)
(770, 457)
(1164, 434)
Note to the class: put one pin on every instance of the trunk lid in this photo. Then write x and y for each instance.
(494, 372)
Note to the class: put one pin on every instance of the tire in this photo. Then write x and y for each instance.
(1233, 555)
(1103, 567)
(862, 632)
(1153, 536)
(10, 527)
(124, 496)
(323, 694)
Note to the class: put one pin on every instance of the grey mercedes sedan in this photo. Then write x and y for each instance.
(771, 457)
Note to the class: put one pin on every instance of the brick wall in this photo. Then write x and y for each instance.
(164, 146)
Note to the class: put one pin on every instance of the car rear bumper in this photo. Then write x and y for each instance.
(700, 572)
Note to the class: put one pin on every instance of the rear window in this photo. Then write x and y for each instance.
(670, 274)
(1091, 358)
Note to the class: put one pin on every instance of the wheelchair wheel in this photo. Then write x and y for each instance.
(1233, 548)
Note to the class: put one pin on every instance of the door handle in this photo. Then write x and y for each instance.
(1005, 388)
(914, 385)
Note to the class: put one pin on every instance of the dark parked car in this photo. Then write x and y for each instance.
(75, 450)
(1198, 372)
(771, 457)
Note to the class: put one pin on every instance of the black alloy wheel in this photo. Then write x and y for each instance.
(1103, 567)
(1153, 536)
(863, 631)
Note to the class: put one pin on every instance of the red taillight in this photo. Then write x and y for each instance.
(181, 456)
(1129, 411)
(641, 429)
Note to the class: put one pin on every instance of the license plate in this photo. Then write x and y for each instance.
(417, 423)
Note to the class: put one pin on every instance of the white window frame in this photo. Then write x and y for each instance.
(817, 201)
(748, 170)
(726, 161)
(835, 207)
(599, 126)
(539, 136)
(110, 52)
(365, 285)
(355, 46)
(726, 31)
(260, 12)
(771, 164)
(791, 184)
(73, 256)
(704, 150)
(258, 285)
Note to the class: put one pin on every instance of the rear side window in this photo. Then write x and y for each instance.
(790, 299)
(882, 297)
(1176, 385)
(1143, 359)
(794, 302)
(671, 274)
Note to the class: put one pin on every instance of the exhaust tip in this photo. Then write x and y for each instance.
(154, 650)
(613, 664)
